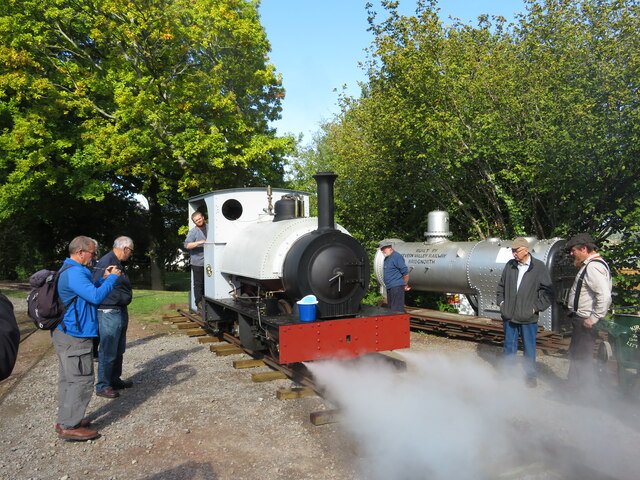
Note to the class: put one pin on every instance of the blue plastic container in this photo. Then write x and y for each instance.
(307, 308)
(307, 312)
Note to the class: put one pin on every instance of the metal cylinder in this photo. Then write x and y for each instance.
(285, 209)
(474, 269)
(438, 224)
(325, 181)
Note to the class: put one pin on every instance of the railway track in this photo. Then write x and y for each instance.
(479, 329)
(296, 372)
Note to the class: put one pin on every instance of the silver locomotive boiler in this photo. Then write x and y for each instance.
(474, 269)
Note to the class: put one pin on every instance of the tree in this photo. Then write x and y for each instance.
(167, 98)
(529, 128)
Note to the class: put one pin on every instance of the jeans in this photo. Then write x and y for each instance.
(528, 332)
(112, 324)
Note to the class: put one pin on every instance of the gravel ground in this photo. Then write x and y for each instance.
(191, 415)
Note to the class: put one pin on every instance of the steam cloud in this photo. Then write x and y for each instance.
(456, 417)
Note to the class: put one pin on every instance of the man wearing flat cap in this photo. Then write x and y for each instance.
(588, 302)
(524, 290)
(395, 276)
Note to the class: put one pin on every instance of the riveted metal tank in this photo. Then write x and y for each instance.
(474, 268)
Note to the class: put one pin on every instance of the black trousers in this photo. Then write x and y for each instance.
(198, 283)
(583, 340)
(395, 298)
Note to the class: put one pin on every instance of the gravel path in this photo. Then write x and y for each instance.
(191, 415)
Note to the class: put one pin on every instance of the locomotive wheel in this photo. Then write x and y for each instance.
(284, 307)
(605, 352)
(604, 356)
(247, 333)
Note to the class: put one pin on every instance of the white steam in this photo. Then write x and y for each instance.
(457, 418)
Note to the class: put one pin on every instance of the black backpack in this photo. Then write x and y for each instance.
(43, 303)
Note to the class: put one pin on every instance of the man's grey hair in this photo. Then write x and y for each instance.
(122, 242)
(81, 243)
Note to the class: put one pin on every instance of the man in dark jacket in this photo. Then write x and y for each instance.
(524, 290)
(113, 320)
(9, 337)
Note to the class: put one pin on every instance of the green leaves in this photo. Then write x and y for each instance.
(168, 98)
(525, 129)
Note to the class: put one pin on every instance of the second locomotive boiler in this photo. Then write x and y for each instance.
(474, 269)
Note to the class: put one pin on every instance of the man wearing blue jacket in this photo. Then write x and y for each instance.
(73, 338)
(524, 290)
(113, 320)
(395, 276)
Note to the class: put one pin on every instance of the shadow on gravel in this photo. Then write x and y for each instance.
(186, 471)
(153, 377)
(142, 341)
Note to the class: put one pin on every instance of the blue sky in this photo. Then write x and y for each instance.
(317, 44)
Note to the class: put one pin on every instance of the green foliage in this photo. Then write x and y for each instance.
(527, 128)
(15, 293)
(108, 98)
(431, 300)
(372, 298)
(174, 280)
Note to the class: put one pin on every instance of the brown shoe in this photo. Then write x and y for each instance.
(108, 393)
(84, 423)
(79, 434)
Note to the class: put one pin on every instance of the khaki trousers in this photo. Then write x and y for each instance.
(75, 377)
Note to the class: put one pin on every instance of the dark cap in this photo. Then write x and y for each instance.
(519, 242)
(580, 239)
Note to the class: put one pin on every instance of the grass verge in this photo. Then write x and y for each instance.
(147, 304)
(10, 292)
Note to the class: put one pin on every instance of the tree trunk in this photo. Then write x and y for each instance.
(155, 234)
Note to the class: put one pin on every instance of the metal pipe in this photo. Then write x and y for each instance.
(325, 181)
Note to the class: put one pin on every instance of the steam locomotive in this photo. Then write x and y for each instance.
(474, 269)
(261, 259)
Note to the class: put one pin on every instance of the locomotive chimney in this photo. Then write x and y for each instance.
(325, 181)
(438, 224)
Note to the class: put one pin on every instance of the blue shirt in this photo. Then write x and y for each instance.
(394, 270)
(80, 319)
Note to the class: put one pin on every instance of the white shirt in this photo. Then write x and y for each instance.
(522, 268)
